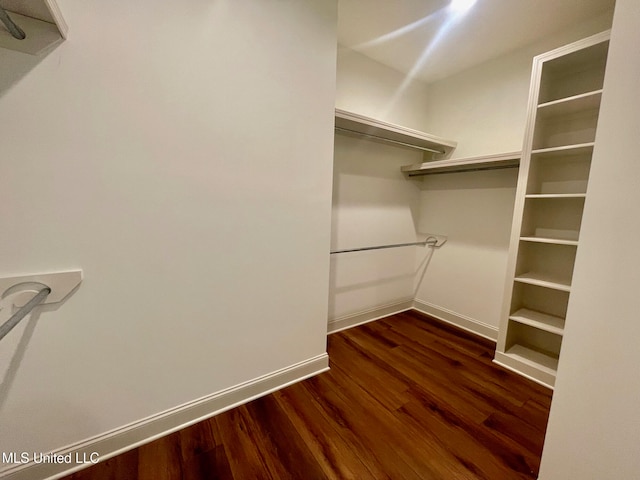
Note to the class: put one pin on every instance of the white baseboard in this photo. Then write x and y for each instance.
(460, 321)
(143, 431)
(349, 321)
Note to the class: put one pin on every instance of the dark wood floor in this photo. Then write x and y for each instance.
(406, 398)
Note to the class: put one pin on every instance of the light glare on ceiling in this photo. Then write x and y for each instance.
(461, 6)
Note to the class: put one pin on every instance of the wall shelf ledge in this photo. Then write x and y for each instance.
(484, 162)
(355, 124)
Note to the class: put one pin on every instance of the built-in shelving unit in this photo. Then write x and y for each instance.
(564, 104)
(485, 162)
(40, 20)
(351, 123)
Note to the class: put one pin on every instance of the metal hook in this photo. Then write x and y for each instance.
(431, 241)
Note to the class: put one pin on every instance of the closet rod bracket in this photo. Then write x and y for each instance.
(60, 283)
(18, 291)
(430, 240)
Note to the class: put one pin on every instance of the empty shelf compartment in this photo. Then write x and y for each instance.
(548, 323)
(533, 357)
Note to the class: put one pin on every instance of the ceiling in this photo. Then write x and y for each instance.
(432, 39)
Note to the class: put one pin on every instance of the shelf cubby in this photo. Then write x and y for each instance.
(536, 358)
(552, 217)
(539, 348)
(564, 171)
(565, 129)
(546, 264)
(578, 72)
(547, 301)
(539, 307)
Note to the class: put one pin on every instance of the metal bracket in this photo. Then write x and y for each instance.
(435, 240)
(60, 283)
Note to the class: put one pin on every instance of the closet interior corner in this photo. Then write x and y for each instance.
(512, 217)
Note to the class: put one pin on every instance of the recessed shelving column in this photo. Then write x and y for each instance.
(554, 172)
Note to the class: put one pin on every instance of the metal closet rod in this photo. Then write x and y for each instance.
(429, 241)
(388, 140)
(14, 30)
(7, 326)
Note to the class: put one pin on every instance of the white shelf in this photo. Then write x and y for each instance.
(542, 321)
(556, 195)
(540, 280)
(538, 359)
(563, 150)
(571, 105)
(485, 162)
(355, 124)
(552, 240)
(40, 20)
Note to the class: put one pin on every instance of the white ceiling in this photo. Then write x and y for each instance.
(429, 40)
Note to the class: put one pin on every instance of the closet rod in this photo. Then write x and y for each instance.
(432, 241)
(14, 30)
(388, 140)
(7, 326)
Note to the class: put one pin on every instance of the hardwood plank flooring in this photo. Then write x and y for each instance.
(407, 397)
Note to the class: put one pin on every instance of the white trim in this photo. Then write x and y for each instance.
(143, 431)
(504, 361)
(55, 12)
(348, 321)
(458, 320)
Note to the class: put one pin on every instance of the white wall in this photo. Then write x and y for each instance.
(484, 110)
(372, 89)
(594, 426)
(174, 152)
(373, 203)
(464, 279)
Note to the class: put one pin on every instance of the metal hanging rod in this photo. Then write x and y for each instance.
(7, 326)
(431, 241)
(388, 140)
(14, 30)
